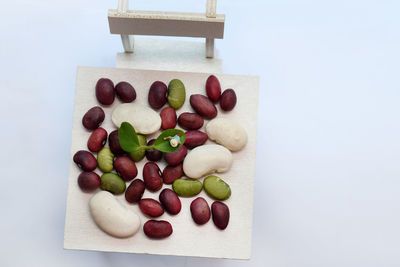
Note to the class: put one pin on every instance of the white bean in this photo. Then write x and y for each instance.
(112, 217)
(207, 159)
(142, 118)
(228, 133)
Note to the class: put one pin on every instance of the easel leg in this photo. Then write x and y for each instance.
(127, 42)
(209, 47)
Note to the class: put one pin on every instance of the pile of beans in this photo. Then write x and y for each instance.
(115, 158)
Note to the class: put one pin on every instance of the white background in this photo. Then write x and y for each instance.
(328, 160)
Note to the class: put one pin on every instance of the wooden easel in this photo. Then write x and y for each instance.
(127, 23)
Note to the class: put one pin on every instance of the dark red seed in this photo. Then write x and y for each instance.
(228, 100)
(168, 118)
(190, 121)
(97, 140)
(135, 191)
(157, 95)
(89, 181)
(85, 160)
(195, 138)
(157, 229)
(93, 118)
(213, 88)
(153, 154)
(105, 91)
(203, 106)
(220, 214)
(113, 142)
(152, 176)
(151, 207)
(174, 158)
(171, 173)
(170, 201)
(200, 211)
(125, 167)
(125, 92)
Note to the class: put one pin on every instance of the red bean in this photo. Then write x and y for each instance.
(85, 160)
(168, 118)
(125, 167)
(220, 214)
(200, 211)
(151, 207)
(113, 142)
(89, 181)
(93, 118)
(135, 191)
(170, 201)
(157, 229)
(105, 91)
(125, 92)
(213, 88)
(174, 158)
(228, 100)
(97, 140)
(190, 121)
(171, 173)
(195, 138)
(153, 154)
(157, 95)
(203, 106)
(152, 176)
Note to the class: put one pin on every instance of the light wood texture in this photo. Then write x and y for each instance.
(127, 40)
(167, 54)
(211, 12)
(166, 23)
(188, 239)
(211, 9)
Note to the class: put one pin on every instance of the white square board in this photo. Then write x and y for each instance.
(188, 239)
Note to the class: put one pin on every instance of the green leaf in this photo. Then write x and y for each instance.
(164, 145)
(128, 138)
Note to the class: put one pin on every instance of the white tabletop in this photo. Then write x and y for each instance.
(328, 160)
